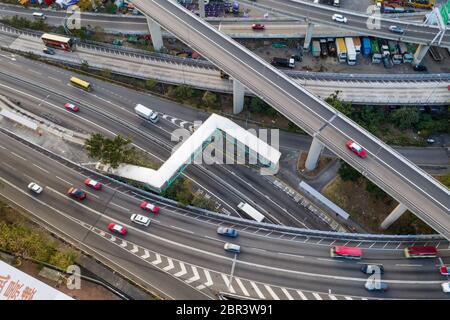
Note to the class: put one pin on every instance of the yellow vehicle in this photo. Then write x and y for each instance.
(80, 83)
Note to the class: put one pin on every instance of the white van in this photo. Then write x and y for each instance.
(146, 113)
(38, 15)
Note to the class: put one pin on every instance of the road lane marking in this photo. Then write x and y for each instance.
(227, 283)
(408, 265)
(119, 206)
(182, 271)
(348, 298)
(170, 266)
(332, 297)
(269, 289)
(3, 148)
(9, 166)
(15, 154)
(69, 183)
(135, 249)
(146, 254)
(195, 277)
(317, 296)
(209, 281)
(290, 255)
(258, 292)
(40, 168)
(241, 285)
(94, 195)
(329, 260)
(184, 230)
(123, 244)
(302, 295)
(287, 293)
(157, 260)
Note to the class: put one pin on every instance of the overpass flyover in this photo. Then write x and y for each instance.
(393, 173)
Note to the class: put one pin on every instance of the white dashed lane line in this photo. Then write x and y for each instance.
(123, 208)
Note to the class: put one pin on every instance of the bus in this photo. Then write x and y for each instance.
(421, 252)
(345, 252)
(252, 212)
(58, 42)
(80, 84)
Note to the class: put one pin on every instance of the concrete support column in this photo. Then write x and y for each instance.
(308, 36)
(238, 96)
(155, 32)
(201, 7)
(313, 155)
(421, 51)
(393, 216)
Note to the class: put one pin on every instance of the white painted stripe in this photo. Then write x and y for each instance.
(227, 283)
(158, 259)
(184, 230)
(119, 206)
(135, 249)
(409, 265)
(182, 271)
(269, 289)
(330, 260)
(241, 285)
(287, 293)
(348, 298)
(200, 287)
(302, 295)
(112, 239)
(102, 233)
(15, 154)
(317, 296)
(332, 297)
(40, 168)
(145, 255)
(364, 299)
(123, 244)
(209, 281)
(195, 277)
(258, 292)
(170, 266)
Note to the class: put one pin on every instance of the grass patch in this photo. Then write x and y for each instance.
(369, 209)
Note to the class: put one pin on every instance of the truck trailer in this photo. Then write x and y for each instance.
(351, 52)
(341, 50)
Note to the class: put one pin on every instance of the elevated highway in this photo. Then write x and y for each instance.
(400, 178)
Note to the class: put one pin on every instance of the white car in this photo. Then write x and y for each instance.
(139, 219)
(339, 18)
(35, 187)
(446, 287)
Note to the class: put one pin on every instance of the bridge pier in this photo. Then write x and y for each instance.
(238, 96)
(201, 7)
(155, 32)
(308, 36)
(421, 51)
(393, 216)
(313, 155)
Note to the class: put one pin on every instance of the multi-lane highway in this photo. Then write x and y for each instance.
(181, 257)
(400, 178)
(414, 32)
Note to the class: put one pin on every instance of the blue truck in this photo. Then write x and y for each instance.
(366, 46)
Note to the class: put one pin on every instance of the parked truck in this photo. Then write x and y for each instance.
(366, 47)
(351, 52)
(357, 44)
(331, 46)
(376, 54)
(283, 62)
(146, 113)
(323, 47)
(403, 50)
(315, 48)
(341, 50)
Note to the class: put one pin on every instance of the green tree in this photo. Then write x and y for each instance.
(84, 66)
(210, 99)
(94, 145)
(347, 173)
(201, 202)
(110, 151)
(181, 92)
(111, 8)
(375, 190)
(343, 107)
(150, 84)
(106, 73)
(405, 118)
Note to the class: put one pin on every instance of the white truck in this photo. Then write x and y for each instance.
(351, 52)
(146, 113)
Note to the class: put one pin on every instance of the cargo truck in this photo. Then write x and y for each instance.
(341, 50)
(376, 55)
(357, 44)
(366, 47)
(351, 52)
(323, 47)
(331, 46)
(315, 48)
(283, 62)
(146, 113)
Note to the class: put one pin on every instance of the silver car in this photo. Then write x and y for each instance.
(140, 219)
(35, 187)
(232, 247)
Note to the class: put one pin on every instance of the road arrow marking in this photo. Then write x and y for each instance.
(195, 277)
(158, 259)
(209, 281)
(135, 249)
(170, 266)
(123, 244)
(182, 272)
(145, 255)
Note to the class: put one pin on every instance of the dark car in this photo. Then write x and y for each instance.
(49, 51)
(76, 193)
(420, 67)
(229, 232)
